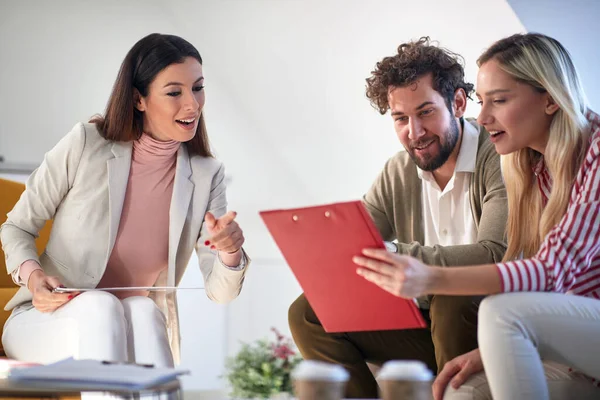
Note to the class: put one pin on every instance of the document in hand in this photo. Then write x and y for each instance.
(124, 288)
(99, 375)
(318, 244)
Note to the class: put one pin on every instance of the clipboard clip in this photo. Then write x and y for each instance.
(295, 217)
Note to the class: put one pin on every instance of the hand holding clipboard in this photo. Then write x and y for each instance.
(319, 244)
(402, 276)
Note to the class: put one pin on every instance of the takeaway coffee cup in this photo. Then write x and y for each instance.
(409, 380)
(319, 380)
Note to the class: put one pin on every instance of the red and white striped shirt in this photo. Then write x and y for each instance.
(569, 258)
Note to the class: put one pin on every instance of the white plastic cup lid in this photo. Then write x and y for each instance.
(320, 371)
(405, 370)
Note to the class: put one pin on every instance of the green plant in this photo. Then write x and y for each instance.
(262, 369)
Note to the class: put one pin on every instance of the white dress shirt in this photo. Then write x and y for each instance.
(447, 215)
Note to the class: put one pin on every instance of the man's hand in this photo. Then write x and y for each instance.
(456, 372)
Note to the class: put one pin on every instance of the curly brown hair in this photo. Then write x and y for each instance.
(414, 60)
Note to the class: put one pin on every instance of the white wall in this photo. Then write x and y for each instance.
(575, 24)
(13, 177)
(285, 109)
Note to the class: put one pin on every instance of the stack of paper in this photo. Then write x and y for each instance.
(92, 374)
(7, 365)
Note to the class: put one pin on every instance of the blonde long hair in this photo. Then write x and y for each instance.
(546, 65)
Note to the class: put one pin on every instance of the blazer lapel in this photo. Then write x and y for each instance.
(183, 188)
(118, 176)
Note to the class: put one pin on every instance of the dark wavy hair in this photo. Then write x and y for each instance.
(414, 60)
(122, 122)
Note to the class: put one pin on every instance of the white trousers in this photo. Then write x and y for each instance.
(517, 329)
(93, 325)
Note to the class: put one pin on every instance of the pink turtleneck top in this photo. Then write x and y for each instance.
(141, 248)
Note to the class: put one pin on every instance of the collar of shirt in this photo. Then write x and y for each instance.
(539, 167)
(467, 154)
(594, 120)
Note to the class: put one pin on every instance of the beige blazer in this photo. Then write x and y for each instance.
(81, 185)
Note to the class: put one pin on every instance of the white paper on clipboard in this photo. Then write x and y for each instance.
(124, 288)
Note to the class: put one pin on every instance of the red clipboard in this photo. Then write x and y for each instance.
(318, 244)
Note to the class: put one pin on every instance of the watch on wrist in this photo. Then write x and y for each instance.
(391, 247)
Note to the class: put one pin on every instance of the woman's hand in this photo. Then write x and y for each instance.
(456, 372)
(226, 236)
(44, 300)
(402, 276)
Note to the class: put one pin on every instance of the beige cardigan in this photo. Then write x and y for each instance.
(394, 202)
(81, 186)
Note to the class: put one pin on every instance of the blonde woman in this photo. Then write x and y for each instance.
(535, 110)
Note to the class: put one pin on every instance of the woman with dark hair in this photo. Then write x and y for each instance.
(131, 195)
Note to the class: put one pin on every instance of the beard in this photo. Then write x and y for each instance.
(446, 143)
